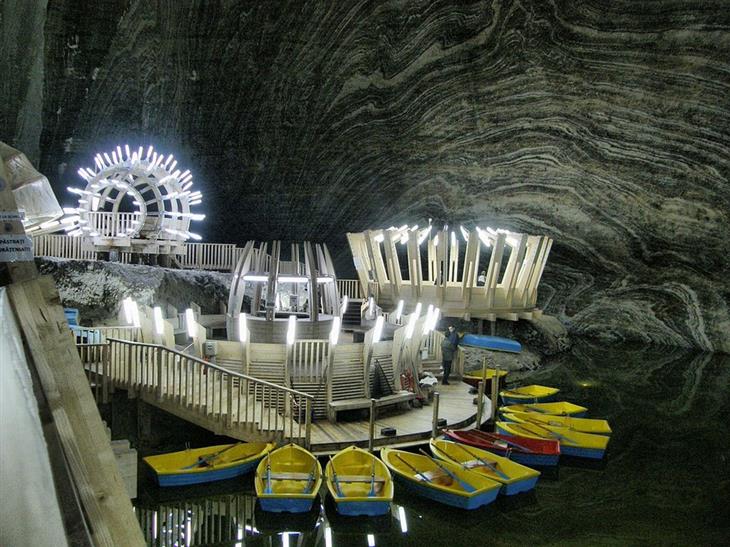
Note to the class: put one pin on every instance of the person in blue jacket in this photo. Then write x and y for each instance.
(448, 349)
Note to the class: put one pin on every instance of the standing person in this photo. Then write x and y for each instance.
(482, 279)
(448, 348)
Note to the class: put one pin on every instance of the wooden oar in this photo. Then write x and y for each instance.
(490, 465)
(337, 482)
(465, 485)
(205, 460)
(538, 410)
(372, 481)
(416, 471)
(310, 481)
(561, 438)
(268, 489)
(512, 443)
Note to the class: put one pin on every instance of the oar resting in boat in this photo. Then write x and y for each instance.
(511, 443)
(561, 438)
(205, 461)
(489, 465)
(465, 485)
(338, 488)
(310, 480)
(416, 471)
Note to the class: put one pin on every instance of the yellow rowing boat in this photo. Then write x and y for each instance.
(288, 479)
(527, 394)
(359, 483)
(572, 443)
(558, 408)
(585, 425)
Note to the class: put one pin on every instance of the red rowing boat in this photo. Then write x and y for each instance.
(523, 450)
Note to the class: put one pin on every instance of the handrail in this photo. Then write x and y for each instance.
(215, 367)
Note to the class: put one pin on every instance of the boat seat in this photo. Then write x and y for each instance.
(358, 478)
(364, 402)
(290, 476)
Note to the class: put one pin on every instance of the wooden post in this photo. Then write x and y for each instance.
(495, 392)
(130, 366)
(435, 423)
(308, 427)
(371, 430)
(105, 367)
(480, 403)
(229, 420)
(366, 372)
(158, 358)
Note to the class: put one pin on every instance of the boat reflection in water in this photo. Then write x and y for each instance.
(229, 514)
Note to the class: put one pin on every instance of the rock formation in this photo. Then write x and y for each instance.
(604, 125)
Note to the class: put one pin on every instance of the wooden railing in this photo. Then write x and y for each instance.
(210, 256)
(222, 400)
(61, 246)
(108, 224)
(95, 359)
(309, 359)
(350, 288)
(99, 335)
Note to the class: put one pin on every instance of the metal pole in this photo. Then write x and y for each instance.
(495, 392)
(480, 403)
(371, 434)
(435, 423)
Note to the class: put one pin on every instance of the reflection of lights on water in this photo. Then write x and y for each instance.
(154, 525)
(328, 537)
(188, 532)
(371, 540)
(587, 383)
(285, 539)
(402, 519)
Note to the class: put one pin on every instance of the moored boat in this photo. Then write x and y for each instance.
(527, 451)
(494, 343)
(475, 376)
(441, 481)
(288, 480)
(557, 408)
(514, 477)
(572, 443)
(359, 483)
(212, 463)
(527, 394)
(584, 425)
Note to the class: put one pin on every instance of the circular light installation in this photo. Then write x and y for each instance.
(136, 194)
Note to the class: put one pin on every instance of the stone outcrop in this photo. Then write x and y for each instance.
(603, 125)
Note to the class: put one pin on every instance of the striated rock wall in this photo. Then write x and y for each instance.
(602, 124)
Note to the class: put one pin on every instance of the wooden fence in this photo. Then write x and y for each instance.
(210, 256)
(350, 288)
(221, 400)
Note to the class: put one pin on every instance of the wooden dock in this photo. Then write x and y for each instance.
(412, 426)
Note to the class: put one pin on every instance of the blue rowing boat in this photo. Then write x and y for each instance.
(494, 343)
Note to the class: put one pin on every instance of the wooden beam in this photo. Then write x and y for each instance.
(40, 316)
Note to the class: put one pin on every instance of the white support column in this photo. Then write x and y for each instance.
(495, 264)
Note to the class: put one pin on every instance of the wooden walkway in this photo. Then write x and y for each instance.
(412, 426)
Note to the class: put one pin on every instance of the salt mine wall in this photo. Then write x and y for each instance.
(604, 125)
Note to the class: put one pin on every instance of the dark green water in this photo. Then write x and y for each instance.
(665, 480)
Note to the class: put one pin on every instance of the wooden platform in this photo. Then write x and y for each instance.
(412, 426)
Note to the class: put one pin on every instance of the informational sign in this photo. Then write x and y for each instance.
(14, 246)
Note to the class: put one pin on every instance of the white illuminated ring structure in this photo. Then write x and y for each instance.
(147, 182)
